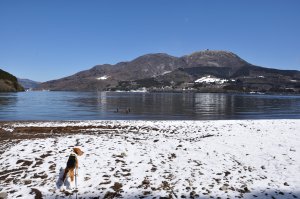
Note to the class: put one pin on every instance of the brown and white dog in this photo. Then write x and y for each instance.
(72, 164)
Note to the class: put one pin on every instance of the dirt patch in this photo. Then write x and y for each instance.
(4, 177)
(107, 182)
(145, 184)
(30, 132)
(117, 187)
(38, 162)
(40, 175)
(46, 132)
(46, 155)
(111, 195)
(37, 193)
(12, 171)
(27, 182)
(25, 162)
(52, 167)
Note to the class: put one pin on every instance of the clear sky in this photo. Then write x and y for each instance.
(45, 40)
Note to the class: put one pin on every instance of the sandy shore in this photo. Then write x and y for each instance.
(153, 159)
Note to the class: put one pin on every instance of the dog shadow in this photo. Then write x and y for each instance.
(59, 182)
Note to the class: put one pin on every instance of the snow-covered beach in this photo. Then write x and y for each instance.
(153, 159)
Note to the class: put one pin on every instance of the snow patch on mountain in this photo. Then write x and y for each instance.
(103, 77)
(211, 79)
(166, 72)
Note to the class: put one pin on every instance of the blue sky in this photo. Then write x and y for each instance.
(45, 40)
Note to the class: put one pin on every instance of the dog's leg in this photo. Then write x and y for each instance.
(71, 173)
(64, 177)
(76, 164)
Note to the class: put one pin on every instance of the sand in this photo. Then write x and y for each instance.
(153, 159)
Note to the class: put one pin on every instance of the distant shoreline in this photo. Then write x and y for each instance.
(173, 91)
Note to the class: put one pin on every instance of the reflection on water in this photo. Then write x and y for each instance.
(211, 103)
(7, 99)
(151, 106)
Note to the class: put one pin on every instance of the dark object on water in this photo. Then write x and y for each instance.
(127, 110)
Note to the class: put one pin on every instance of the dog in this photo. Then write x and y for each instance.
(72, 163)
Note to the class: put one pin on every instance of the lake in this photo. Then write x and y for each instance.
(145, 106)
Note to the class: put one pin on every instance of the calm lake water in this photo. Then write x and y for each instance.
(149, 106)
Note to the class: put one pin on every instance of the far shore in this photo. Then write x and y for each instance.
(175, 91)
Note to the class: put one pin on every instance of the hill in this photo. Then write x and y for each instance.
(162, 71)
(27, 83)
(9, 83)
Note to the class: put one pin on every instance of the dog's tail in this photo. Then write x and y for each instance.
(65, 174)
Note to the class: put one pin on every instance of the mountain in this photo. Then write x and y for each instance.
(157, 71)
(28, 84)
(9, 83)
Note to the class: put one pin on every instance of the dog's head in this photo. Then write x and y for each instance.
(78, 151)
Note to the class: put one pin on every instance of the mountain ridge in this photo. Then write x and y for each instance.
(161, 67)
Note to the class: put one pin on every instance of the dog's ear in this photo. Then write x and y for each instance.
(77, 151)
